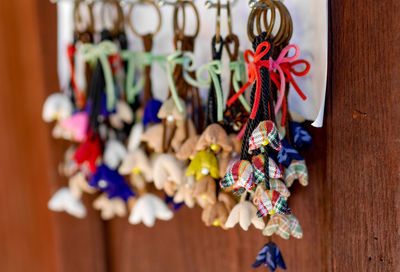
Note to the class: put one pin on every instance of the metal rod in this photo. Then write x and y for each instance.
(163, 3)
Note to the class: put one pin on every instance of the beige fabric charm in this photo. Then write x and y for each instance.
(188, 148)
(68, 167)
(170, 112)
(109, 208)
(185, 192)
(244, 213)
(205, 191)
(123, 115)
(181, 134)
(214, 137)
(153, 137)
(167, 169)
(78, 185)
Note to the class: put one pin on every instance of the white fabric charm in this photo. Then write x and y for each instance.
(147, 209)
(135, 137)
(57, 107)
(244, 213)
(114, 153)
(63, 201)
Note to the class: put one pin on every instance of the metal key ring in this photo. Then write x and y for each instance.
(118, 23)
(180, 31)
(255, 14)
(129, 15)
(282, 33)
(289, 23)
(278, 36)
(78, 17)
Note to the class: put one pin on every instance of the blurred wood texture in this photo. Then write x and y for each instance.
(349, 212)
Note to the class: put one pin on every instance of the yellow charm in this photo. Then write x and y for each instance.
(216, 223)
(136, 170)
(204, 159)
(266, 142)
(272, 212)
(214, 147)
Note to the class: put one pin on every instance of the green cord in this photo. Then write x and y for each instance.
(213, 68)
(91, 53)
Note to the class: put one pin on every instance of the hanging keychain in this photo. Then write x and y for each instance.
(236, 115)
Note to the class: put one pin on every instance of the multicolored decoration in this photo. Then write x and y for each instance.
(237, 162)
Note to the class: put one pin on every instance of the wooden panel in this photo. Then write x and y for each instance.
(363, 136)
(33, 238)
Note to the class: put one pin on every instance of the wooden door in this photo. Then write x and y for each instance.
(349, 212)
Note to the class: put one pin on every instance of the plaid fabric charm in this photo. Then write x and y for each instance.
(278, 224)
(240, 175)
(272, 202)
(295, 228)
(265, 133)
(296, 170)
(259, 173)
(279, 186)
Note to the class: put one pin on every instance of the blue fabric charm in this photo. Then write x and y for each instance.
(111, 182)
(287, 154)
(271, 257)
(301, 137)
(175, 206)
(150, 112)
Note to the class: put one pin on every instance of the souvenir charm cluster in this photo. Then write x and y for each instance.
(145, 159)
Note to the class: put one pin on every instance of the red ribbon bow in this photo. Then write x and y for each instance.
(253, 70)
(283, 65)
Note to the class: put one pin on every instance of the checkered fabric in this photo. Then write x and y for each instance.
(265, 133)
(278, 224)
(297, 170)
(279, 186)
(295, 228)
(240, 175)
(259, 173)
(272, 202)
(258, 165)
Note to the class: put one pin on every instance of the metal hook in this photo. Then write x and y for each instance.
(162, 3)
(255, 4)
(210, 4)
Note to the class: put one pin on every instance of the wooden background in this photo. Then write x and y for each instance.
(349, 213)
